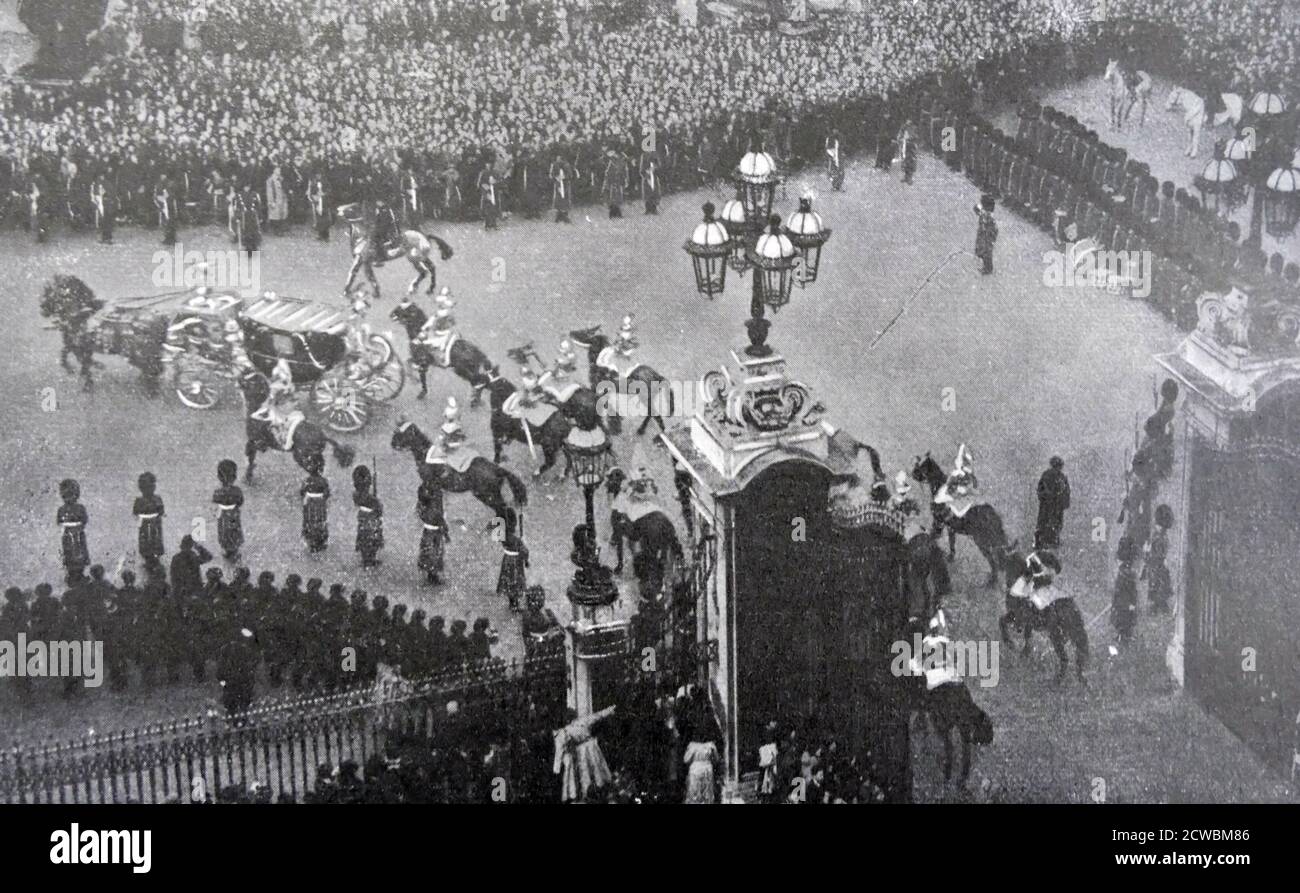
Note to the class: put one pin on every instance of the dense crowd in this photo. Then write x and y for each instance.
(441, 100)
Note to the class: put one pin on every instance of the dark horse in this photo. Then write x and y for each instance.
(652, 537)
(482, 478)
(1061, 618)
(465, 359)
(980, 522)
(950, 706)
(644, 382)
(549, 436)
(309, 439)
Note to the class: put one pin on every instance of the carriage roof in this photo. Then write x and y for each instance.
(298, 315)
(203, 302)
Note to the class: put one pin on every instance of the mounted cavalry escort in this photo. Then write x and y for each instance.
(954, 506)
(451, 465)
(637, 517)
(1036, 601)
(625, 386)
(941, 693)
(526, 415)
(435, 341)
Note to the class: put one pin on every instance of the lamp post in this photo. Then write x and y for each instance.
(748, 237)
(588, 453)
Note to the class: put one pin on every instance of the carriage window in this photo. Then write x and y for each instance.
(283, 345)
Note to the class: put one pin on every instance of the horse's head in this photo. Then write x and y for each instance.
(409, 316)
(498, 387)
(408, 436)
(927, 471)
(254, 386)
(590, 339)
(1013, 561)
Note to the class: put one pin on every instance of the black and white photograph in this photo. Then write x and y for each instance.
(519, 403)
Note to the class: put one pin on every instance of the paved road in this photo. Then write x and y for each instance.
(1015, 369)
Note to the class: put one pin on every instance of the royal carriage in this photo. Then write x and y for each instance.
(326, 348)
(347, 367)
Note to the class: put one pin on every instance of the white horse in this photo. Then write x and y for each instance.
(1195, 116)
(1123, 95)
(416, 246)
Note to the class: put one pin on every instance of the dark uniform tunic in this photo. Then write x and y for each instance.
(1159, 587)
(514, 560)
(315, 512)
(428, 508)
(72, 518)
(148, 511)
(230, 529)
(370, 525)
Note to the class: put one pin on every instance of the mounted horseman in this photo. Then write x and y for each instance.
(272, 422)
(954, 506)
(525, 415)
(578, 403)
(637, 518)
(449, 464)
(625, 386)
(377, 237)
(1035, 601)
(435, 341)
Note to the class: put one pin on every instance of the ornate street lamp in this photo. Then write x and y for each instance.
(1219, 185)
(1267, 106)
(756, 177)
(1239, 150)
(709, 247)
(808, 235)
(1282, 202)
(773, 258)
(737, 224)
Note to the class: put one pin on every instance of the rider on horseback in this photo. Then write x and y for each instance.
(958, 492)
(439, 331)
(555, 382)
(384, 234)
(1041, 568)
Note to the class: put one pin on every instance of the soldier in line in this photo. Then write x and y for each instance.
(512, 581)
(148, 510)
(315, 494)
(229, 498)
(370, 516)
(986, 233)
(434, 533)
(72, 519)
(103, 196)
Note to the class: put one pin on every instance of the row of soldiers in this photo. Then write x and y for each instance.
(1065, 179)
(305, 635)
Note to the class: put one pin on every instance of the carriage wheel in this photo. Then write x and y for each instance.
(342, 403)
(386, 382)
(196, 386)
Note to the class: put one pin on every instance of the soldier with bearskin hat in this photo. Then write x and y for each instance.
(512, 581)
(370, 516)
(72, 520)
(315, 494)
(986, 233)
(229, 498)
(1124, 600)
(148, 511)
(428, 508)
(1159, 588)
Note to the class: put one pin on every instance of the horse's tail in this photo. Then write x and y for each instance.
(443, 248)
(343, 453)
(517, 488)
(876, 468)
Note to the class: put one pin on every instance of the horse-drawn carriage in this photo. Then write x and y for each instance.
(346, 366)
(209, 338)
